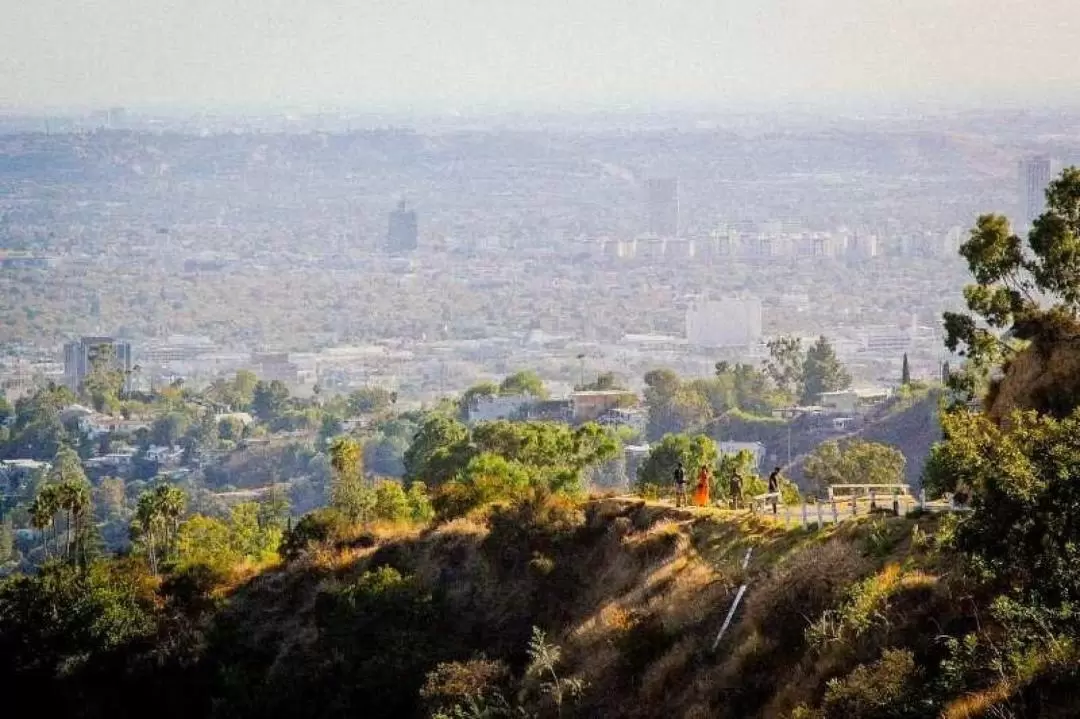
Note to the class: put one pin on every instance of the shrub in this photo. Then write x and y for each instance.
(391, 502)
(318, 527)
(866, 606)
(879, 690)
(537, 524)
(420, 507)
(455, 684)
(206, 541)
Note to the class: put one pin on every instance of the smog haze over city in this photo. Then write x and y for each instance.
(214, 180)
(554, 359)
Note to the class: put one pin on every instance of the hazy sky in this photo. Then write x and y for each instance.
(479, 55)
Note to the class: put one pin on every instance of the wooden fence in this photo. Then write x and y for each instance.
(898, 502)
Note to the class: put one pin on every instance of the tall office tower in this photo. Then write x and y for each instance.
(663, 202)
(401, 235)
(1034, 178)
(80, 358)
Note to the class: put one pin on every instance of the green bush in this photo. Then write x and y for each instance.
(882, 690)
(319, 527)
(391, 502)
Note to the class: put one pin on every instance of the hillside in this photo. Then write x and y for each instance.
(912, 430)
(864, 619)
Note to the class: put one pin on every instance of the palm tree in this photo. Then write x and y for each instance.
(42, 511)
(77, 497)
(170, 502)
(147, 519)
(64, 499)
(157, 520)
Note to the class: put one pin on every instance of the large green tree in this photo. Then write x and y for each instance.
(750, 387)
(1023, 291)
(438, 450)
(854, 462)
(1022, 481)
(693, 451)
(673, 405)
(526, 382)
(785, 365)
(269, 400)
(369, 400)
(822, 372)
(104, 382)
(348, 492)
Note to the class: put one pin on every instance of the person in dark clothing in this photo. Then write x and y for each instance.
(680, 485)
(774, 486)
(774, 481)
(735, 487)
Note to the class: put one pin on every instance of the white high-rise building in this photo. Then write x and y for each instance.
(734, 322)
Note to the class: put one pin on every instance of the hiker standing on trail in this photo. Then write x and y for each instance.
(701, 492)
(680, 485)
(774, 486)
(735, 487)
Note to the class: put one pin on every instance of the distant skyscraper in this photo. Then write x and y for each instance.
(402, 234)
(1034, 178)
(663, 204)
(80, 357)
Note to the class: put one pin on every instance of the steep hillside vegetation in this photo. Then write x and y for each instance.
(913, 430)
(866, 619)
(544, 608)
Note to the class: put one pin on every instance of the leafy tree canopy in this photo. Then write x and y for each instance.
(370, 400)
(269, 400)
(694, 452)
(855, 462)
(785, 366)
(526, 382)
(822, 372)
(1013, 278)
(1022, 485)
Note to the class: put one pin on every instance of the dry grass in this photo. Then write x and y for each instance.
(641, 589)
(979, 704)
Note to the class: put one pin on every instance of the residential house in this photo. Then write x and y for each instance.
(634, 418)
(489, 409)
(590, 405)
(853, 401)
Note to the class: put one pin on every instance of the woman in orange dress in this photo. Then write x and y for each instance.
(701, 492)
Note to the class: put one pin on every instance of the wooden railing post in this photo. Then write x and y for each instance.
(896, 503)
(873, 500)
(805, 519)
(835, 515)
